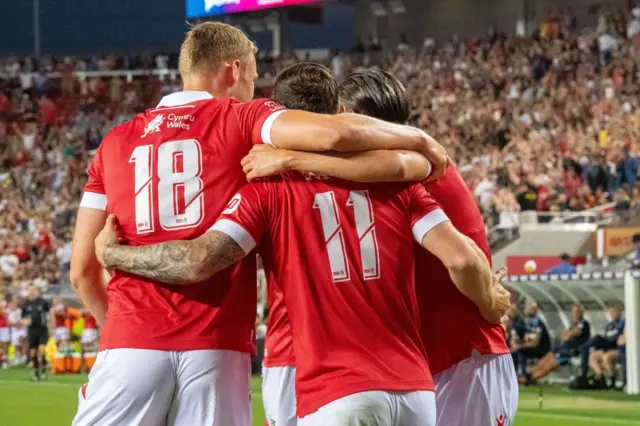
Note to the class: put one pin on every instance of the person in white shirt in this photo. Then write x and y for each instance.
(607, 45)
(633, 27)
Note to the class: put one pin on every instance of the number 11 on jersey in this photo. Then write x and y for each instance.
(325, 202)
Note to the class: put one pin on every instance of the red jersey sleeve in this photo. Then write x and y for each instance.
(244, 218)
(94, 196)
(426, 213)
(256, 118)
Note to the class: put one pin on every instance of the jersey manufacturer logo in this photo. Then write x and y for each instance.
(500, 420)
(153, 126)
(233, 204)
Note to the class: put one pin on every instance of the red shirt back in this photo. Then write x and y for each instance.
(278, 343)
(451, 324)
(167, 175)
(342, 255)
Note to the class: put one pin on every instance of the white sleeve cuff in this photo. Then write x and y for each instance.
(93, 200)
(427, 223)
(267, 125)
(237, 232)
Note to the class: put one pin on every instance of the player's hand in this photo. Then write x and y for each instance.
(501, 303)
(499, 275)
(265, 160)
(437, 155)
(108, 236)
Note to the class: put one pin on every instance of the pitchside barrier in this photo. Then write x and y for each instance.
(555, 294)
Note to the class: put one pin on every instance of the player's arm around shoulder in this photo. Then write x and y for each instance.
(368, 166)
(468, 266)
(306, 131)
(173, 262)
(183, 262)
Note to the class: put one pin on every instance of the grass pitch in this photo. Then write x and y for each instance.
(53, 403)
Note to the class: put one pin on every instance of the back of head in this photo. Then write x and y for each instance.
(307, 86)
(376, 93)
(208, 45)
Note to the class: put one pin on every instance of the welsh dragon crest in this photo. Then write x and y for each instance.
(154, 125)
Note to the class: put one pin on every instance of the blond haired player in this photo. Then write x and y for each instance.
(173, 355)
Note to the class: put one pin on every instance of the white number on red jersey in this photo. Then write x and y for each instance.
(334, 237)
(180, 198)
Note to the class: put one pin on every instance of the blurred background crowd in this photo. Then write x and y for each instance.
(545, 123)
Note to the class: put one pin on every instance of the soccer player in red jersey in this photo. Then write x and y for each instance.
(339, 253)
(61, 332)
(90, 331)
(166, 175)
(473, 371)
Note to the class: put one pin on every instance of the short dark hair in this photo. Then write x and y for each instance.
(307, 86)
(565, 257)
(376, 93)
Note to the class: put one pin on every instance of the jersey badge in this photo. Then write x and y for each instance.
(153, 126)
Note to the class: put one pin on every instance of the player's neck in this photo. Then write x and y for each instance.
(207, 83)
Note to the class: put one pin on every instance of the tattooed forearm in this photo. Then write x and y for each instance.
(177, 262)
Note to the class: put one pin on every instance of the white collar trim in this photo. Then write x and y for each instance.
(181, 98)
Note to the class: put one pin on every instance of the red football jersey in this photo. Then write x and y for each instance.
(167, 175)
(451, 324)
(342, 255)
(4, 320)
(60, 315)
(278, 343)
(90, 322)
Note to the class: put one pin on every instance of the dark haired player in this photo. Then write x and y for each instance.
(469, 358)
(338, 251)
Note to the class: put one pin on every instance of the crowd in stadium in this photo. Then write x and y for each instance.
(547, 123)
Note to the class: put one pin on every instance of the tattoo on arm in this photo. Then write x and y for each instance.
(177, 262)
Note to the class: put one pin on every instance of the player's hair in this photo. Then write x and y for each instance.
(307, 86)
(208, 44)
(376, 93)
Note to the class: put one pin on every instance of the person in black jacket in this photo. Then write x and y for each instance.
(601, 351)
(34, 314)
(534, 344)
(570, 341)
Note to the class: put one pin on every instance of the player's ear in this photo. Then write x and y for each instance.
(236, 66)
(342, 109)
(231, 73)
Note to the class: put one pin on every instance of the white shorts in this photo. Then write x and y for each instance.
(61, 333)
(376, 408)
(89, 335)
(5, 335)
(481, 390)
(279, 395)
(18, 336)
(137, 387)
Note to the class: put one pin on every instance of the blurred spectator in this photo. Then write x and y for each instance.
(565, 266)
(533, 344)
(622, 201)
(636, 242)
(570, 341)
(601, 351)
